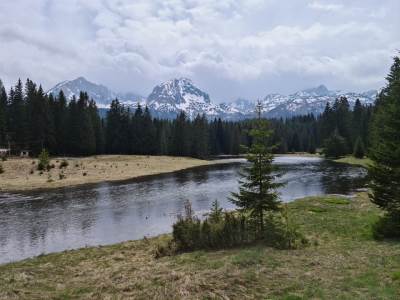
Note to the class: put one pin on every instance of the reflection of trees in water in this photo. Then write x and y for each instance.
(200, 176)
(340, 178)
(182, 177)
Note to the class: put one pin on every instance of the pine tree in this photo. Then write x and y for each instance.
(359, 150)
(200, 137)
(257, 192)
(335, 146)
(114, 128)
(385, 151)
(137, 132)
(180, 136)
(17, 119)
(97, 127)
(149, 134)
(3, 114)
(60, 119)
(86, 133)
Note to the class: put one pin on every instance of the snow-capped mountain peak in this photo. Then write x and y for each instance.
(320, 90)
(168, 99)
(177, 95)
(99, 93)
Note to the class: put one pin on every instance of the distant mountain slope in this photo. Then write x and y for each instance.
(173, 96)
(169, 98)
(100, 93)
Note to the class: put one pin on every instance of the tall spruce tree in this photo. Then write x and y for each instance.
(3, 114)
(385, 151)
(60, 119)
(180, 136)
(257, 192)
(114, 128)
(97, 126)
(17, 119)
(149, 134)
(200, 137)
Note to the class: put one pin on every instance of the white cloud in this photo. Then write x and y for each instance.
(329, 7)
(132, 45)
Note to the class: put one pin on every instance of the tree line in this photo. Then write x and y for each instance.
(31, 119)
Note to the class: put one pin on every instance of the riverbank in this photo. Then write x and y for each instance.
(21, 174)
(342, 261)
(351, 160)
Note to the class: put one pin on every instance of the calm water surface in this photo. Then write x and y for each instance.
(36, 223)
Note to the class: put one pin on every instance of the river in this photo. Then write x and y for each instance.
(69, 218)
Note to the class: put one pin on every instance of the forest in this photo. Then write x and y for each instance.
(32, 120)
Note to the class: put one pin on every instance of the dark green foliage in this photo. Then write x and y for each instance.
(17, 117)
(180, 135)
(230, 229)
(385, 152)
(215, 216)
(388, 226)
(199, 137)
(257, 192)
(44, 161)
(3, 114)
(335, 146)
(339, 120)
(1, 169)
(359, 150)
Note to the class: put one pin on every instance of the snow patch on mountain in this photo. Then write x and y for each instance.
(176, 95)
(99, 93)
(168, 99)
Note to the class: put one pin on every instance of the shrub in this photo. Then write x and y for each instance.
(44, 161)
(231, 229)
(388, 226)
(165, 249)
(3, 158)
(64, 164)
(1, 169)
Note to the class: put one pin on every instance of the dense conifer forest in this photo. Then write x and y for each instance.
(32, 120)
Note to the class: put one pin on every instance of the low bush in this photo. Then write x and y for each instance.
(44, 161)
(1, 169)
(388, 227)
(230, 229)
(64, 164)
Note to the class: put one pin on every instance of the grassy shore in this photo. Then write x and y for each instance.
(351, 160)
(343, 261)
(22, 174)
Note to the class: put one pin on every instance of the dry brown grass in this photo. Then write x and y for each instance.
(22, 174)
(342, 262)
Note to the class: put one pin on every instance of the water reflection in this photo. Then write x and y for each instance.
(37, 223)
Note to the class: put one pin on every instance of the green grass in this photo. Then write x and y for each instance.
(351, 160)
(343, 261)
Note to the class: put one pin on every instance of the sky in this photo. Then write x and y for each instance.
(229, 48)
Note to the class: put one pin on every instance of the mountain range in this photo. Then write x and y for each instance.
(169, 98)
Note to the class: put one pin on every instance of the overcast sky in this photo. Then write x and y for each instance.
(229, 48)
